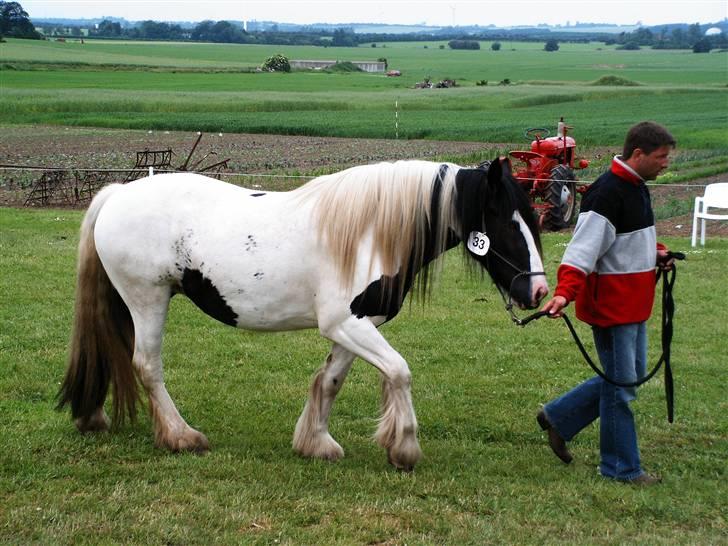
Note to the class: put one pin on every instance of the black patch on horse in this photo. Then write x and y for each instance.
(204, 294)
(257, 194)
(384, 296)
(380, 298)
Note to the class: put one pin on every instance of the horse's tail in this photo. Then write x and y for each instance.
(102, 342)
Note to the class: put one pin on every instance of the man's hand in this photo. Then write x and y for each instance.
(554, 306)
(664, 260)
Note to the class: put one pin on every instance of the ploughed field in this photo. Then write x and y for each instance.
(288, 161)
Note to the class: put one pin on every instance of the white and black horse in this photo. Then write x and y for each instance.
(338, 254)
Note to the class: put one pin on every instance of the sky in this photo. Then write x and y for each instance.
(502, 13)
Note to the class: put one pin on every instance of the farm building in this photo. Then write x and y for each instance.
(366, 66)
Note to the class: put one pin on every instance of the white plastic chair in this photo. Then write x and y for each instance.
(716, 196)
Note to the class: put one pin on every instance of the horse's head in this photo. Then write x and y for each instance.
(500, 232)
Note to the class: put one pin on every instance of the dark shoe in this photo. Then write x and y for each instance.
(643, 480)
(557, 443)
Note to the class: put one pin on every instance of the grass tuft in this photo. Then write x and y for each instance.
(616, 81)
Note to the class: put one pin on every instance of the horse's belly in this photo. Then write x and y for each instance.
(273, 317)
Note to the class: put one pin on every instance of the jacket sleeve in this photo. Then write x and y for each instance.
(570, 281)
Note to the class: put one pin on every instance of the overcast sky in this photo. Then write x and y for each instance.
(430, 12)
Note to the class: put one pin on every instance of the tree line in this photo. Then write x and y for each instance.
(207, 31)
(14, 21)
(665, 38)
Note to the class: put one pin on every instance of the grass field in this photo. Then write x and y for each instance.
(487, 476)
(209, 87)
(518, 61)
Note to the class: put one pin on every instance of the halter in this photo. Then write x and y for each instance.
(508, 301)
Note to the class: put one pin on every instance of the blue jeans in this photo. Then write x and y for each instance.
(622, 351)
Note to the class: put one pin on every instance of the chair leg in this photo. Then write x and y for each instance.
(695, 231)
(702, 231)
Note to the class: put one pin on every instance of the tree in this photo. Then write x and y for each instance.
(203, 31)
(108, 28)
(643, 36)
(277, 63)
(152, 30)
(344, 38)
(702, 46)
(495, 46)
(464, 44)
(694, 34)
(678, 37)
(630, 46)
(226, 32)
(14, 22)
(551, 45)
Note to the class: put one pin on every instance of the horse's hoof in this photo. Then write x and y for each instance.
(402, 467)
(194, 443)
(98, 422)
(191, 441)
(327, 449)
(405, 458)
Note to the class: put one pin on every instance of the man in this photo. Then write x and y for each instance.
(609, 269)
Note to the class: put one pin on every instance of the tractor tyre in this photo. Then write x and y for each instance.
(561, 198)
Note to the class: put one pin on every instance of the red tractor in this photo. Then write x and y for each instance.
(548, 175)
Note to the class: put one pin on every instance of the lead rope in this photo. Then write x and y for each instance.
(668, 311)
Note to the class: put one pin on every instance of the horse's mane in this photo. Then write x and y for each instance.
(405, 207)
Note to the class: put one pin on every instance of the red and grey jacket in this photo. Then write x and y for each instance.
(609, 265)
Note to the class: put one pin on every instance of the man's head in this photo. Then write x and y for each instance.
(647, 149)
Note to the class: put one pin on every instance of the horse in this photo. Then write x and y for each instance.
(340, 253)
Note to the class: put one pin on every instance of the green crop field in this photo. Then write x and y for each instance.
(211, 88)
(518, 61)
(487, 476)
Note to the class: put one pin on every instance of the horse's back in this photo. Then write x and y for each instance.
(174, 194)
(162, 206)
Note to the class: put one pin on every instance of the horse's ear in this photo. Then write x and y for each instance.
(494, 187)
(495, 172)
(506, 167)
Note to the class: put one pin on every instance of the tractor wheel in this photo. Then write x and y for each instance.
(561, 198)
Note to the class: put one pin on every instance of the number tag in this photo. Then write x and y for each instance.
(478, 243)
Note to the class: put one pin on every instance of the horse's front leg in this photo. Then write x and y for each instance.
(312, 438)
(397, 431)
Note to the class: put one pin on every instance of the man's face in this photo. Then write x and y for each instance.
(649, 166)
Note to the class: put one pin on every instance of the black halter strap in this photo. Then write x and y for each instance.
(508, 300)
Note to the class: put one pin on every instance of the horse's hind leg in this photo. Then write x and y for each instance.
(97, 422)
(170, 430)
(397, 431)
(312, 438)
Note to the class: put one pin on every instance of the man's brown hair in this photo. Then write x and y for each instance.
(648, 136)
